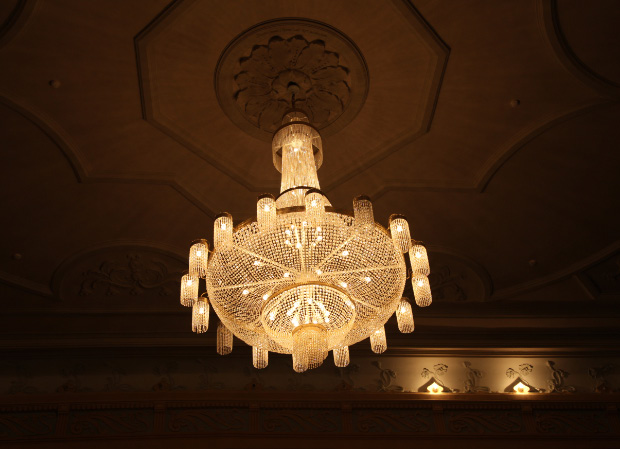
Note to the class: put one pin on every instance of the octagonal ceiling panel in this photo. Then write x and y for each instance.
(380, 89)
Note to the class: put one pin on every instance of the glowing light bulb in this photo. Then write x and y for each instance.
(245, 292)
(420, 283)
(287, 232)
(287, 241)
(223, 227)
(521, 388)
(326, 320)
(189, 282)
(399, 228)
(343, 284)
(286, 275)
(319, 238)
(418, 255)
(313, 203)
(318, 229)
(272, 316)
(298, 245)
(266, 296)
(257, 263)
(201, 310)
(319, 272)
(345, 253)
(295, 322)
(367, 279)
(198, 253)
(295, 149)
(304, 223)
(266, 208)
(434, 388)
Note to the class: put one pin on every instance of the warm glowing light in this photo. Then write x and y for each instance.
(434, 388)
(305, 311)
(521, 388)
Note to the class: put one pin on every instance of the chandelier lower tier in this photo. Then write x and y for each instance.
(302, 278)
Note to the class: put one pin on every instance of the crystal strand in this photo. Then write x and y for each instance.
(421, 290)
(419, 260)
(200, 315)
(189, 290)
(404, 316)
(341, 356)
(222, 231)
(224, 340)
(378, 342)
(260, 357)
(198, 258)
(266, 211)
(399, 229)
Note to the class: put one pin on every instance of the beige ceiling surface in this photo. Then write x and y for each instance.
(491, 125)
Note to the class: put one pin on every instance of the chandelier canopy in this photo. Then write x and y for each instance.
(302, 278)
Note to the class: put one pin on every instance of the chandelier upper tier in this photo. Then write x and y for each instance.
(302, 278)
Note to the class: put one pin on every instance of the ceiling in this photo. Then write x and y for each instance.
(493, 126)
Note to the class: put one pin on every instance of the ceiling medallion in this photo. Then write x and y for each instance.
(262, 82)
(254, 72)
(303, 278)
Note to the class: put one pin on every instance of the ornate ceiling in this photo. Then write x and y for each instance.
(125, 127)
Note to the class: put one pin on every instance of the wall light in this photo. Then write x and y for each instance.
(434, 388)
(521, 388)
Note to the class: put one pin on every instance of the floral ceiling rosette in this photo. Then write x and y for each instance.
(263, 78)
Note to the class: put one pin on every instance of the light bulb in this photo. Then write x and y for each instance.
(245, 292)
(420, 283)
(399, 228)
(223, 226)
(313, 203)
(345, 253)
(286, 275)
(319, 272)
(434, 388)
(189, 282)
(298, 245)
(343, 284)
(521, 388)
(418, 255)
(266, 296)
(367, 279)
(201, 310)
(198, 253)
(295, 149)
(287, 232)
(257, 263)
(318, 229)
(319, 238)
(266, 208)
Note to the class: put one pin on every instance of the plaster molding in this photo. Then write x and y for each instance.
(83, 170)
(493, 165)
(16, 20)
(149, 104)
(551, 27)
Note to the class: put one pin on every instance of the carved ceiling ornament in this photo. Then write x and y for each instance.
(263, 82)
(254, 72)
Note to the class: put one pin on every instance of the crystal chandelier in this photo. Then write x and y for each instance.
(302, 278)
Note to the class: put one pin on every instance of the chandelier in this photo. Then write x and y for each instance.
(301, 277)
